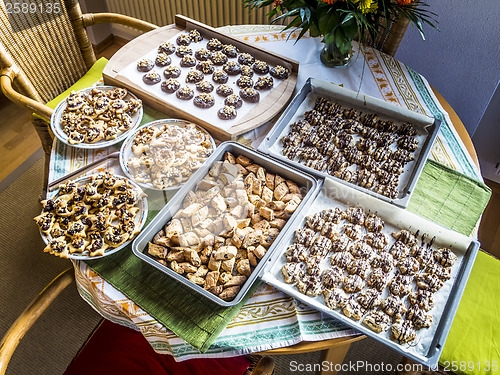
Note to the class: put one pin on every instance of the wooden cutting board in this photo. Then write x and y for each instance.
(266, 110)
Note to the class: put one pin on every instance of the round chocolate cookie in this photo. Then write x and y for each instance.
(260, 67)
(230, 51)
(188, 61)
(220, 76)
(224, 90)
(162, 59)
(227, 113)
(233, 101)
(218, 58)
(185, 93)
(151, 78)
(214, 45)
(246, 59)
(183, 51)
(170, 85)
(205, 86)
(232, 68)
(184, 40)
(202, 54)
(167, 48)
(195, 36)
(250, 95)
(246, 71)
(206, 67)
(172, 71)
(145, 65)
(204, 100)
(279, 72)
(264, 83)
(194, 76)
(244, 82)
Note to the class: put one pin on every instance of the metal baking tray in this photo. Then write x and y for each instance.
(427, 130)
(429, 343)
(302, 179)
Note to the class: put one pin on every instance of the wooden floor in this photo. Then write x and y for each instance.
(18, 141)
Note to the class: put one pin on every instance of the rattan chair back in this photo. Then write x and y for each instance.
(48, 47)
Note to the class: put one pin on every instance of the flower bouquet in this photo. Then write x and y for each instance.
(342, 21)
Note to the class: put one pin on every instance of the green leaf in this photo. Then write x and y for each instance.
(329, 38)
(314, 31)
(341, 41)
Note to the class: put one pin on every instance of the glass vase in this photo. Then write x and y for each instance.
(332, 57)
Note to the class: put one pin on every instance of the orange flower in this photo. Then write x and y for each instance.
(405, 2)
(330, 1)
(277, 3)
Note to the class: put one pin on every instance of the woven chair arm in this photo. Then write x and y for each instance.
(30, 315)
(6, 77)
(90, 19)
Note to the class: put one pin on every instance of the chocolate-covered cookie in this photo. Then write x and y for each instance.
(184, 40)
(183, 51)
(246, 70)
(204, 100)
(194, 76)
(170, 86)
(167, 48)
(206, 67)
(264, 83)
(188, 61)
(230, 51)
(205, 86)
(151, 78)
(172, 71)
(233, 101)
(162, 59)
(244, 82)
(232, 68)
(145, 65)
(220, 76)
(246, 59)
(214, 45)
(202, 54)
(260, 67)
(195, 36)
(227, 113)
(224, 90)
(185, 93)
(250, 95)
(218, 58)
(279, 72)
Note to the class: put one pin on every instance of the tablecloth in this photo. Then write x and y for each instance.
(271, 319)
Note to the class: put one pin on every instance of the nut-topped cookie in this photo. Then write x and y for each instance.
(205, 86)
(249, 95)
(167, 48)
(246, 70)
(170, 85)
(218, 58)
(187, 61)
(224, 90)
(162, 60)
(244, 82)
(233, 100)
(220, 76)
(227, 113)
(264, 83)
(214, 44)
(172, 71)
(230, 51)
(145, 65)
(151, 78)
(246, 59)
(183, 51)
(195, 35)
(184, 40)
(232, 68)
(204, 100)
(279, 72)
(185, 93)
(260, 67)
(206, 67)
(194, 76)
(202, 54)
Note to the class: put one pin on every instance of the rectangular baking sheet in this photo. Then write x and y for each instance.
(303, 180)
(429, 343)
(427, 130)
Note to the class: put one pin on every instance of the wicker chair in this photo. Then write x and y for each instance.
(123, 339)
(42, 54)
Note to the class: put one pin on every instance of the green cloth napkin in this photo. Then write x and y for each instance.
(449, 198)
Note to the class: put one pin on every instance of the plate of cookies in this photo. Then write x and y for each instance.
(163, 154)
(92, 217)
(96, 117)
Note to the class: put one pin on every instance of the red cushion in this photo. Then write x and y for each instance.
(115, 349)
